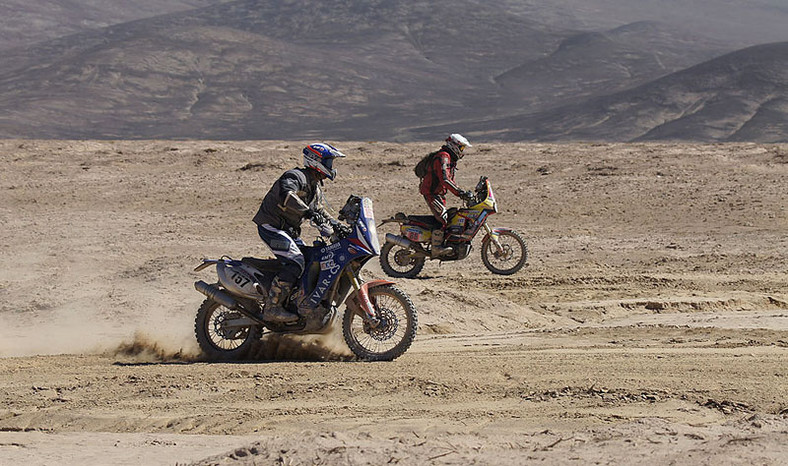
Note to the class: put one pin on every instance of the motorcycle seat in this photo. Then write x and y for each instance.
(263, 265)
(426, 221)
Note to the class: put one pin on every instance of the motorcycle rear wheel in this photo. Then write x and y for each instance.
(395, 333)
(397, 263)
(508, 262)
(218, 343)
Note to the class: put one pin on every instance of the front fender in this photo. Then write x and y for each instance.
(359, 302)
(495, 232)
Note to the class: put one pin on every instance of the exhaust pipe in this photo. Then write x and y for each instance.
(213, 292)
(400, 241)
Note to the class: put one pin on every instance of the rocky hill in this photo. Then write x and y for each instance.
(25, 22)
(742, 96)
(740, 23)
(390, 70)
(594, 63)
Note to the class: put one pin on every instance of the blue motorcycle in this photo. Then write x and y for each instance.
(379, 321)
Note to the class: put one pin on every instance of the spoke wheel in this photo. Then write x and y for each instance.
(392, 336)
(512, 256)
(217, 341)
(400, 262)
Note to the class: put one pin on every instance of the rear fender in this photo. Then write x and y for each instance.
(399, 217)
(388, 220)
(205, 263)
(359, 302)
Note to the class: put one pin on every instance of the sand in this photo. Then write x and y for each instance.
(650, 325)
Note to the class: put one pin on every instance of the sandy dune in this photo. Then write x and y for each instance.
(651, 324)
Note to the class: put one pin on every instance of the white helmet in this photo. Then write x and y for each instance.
(457, 143)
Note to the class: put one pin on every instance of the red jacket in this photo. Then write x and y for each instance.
(440, 176)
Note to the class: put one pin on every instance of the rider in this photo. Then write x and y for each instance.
(295, 196)
(440, 179)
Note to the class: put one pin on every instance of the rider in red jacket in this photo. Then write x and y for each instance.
(438, 181)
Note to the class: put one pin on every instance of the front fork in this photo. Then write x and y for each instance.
(359, 301)
(494, 238)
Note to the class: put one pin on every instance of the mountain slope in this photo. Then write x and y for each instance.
(377, 69)
(25, 22)
(594, 63)
(740, 24)
(739, 96)
(261, 69)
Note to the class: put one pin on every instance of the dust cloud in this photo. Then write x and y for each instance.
(87, 332)
(148, 338)
(329, 346)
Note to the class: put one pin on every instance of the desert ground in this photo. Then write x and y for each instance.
(650, 325)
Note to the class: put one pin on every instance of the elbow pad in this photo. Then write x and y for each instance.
(294, 204)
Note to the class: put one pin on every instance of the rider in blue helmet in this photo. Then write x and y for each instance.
(295, 196)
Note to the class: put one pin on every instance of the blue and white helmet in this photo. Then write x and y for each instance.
(321, 157)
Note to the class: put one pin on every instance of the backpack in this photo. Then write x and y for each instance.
(424, 165)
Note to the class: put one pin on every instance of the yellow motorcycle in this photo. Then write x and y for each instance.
(504, 251)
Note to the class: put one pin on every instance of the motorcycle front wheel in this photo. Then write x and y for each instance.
(510, 258)
(392, 336)
(399, 262)
(219, 342)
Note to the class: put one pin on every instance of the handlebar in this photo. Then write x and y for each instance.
(328, 227)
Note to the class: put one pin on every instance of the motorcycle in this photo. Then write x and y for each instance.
(504, 251)
(379, 321)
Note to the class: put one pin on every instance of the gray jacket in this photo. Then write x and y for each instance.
(276, 211)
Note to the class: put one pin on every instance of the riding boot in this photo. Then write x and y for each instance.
(437, 245)
(273, 311)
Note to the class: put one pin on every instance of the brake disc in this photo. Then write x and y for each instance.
(403, 258)
(387, 327)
